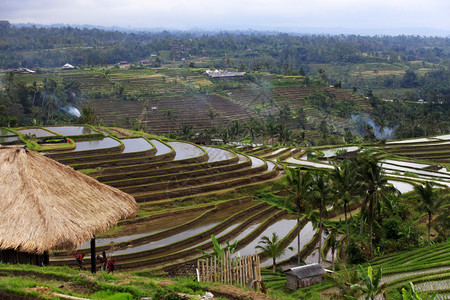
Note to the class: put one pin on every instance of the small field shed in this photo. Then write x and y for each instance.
(304, 276)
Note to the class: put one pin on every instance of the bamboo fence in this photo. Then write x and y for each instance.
(243, 271)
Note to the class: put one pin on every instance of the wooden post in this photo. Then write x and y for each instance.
(93, 267)
(46, 258)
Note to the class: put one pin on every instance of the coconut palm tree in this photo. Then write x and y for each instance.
(375, 187)
(345, 185)
(272, 247)
(430, 202)
(321, 197)
(299, 188)
(332, 241)
(171, 117)
(212, 115)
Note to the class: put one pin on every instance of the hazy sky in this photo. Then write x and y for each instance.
(348, 16)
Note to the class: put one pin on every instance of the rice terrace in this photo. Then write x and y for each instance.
(188, 173)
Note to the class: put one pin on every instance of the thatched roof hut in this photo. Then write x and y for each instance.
(46, 205)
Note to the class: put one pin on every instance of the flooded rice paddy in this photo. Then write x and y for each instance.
(403, 187)
(136, 145)
(161, 147)
(72, 130)
(418, 172)
(332, 152)
(5, 132)
(308, 163)
(185, 150)
(256, 162)
(282, 227)
(36, 131)
(405, 163)
(103, 143)
(146, 228)
(8, 139)
(217, 154)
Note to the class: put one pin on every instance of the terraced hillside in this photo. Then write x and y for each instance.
(165, 174)
(188, 192)
(190, 97)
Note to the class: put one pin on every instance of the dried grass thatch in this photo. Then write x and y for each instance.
(46, 205)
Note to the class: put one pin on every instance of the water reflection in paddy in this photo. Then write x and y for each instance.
(256, 162)
(217, 154)
(405, 163)
(306, 234)
(308, 163)
(106, 142)
(72, 130)
(5, 132)
(270, 166)
(37, 132)
(419, 172)
(136, 145)
(206, 223)
(281, 227)
(134, 231)
(403, 187)
(161, 147)
(185, 150)
(8, 139)
(332, 152)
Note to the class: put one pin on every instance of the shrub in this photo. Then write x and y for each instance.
(356, 251)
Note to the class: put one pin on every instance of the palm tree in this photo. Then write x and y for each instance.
(372, 284)
(299, 189)
(171, 117)
(320, 199)
(251, 125)
(431, 202)
(212, 115)
(375, 186)
(271, 247)
(332, 241)
(345, 185)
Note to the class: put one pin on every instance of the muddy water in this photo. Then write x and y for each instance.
(72, 130)
(217, 154)
(206, 224)
(136, 145)
(162, 148)
(185, 150)
(37, 132)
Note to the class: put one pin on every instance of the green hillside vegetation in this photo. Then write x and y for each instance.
(241, 156)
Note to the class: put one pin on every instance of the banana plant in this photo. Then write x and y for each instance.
(371, 284)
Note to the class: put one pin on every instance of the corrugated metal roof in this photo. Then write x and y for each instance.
(307, 271)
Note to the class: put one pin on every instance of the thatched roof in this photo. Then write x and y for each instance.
(46, 205)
